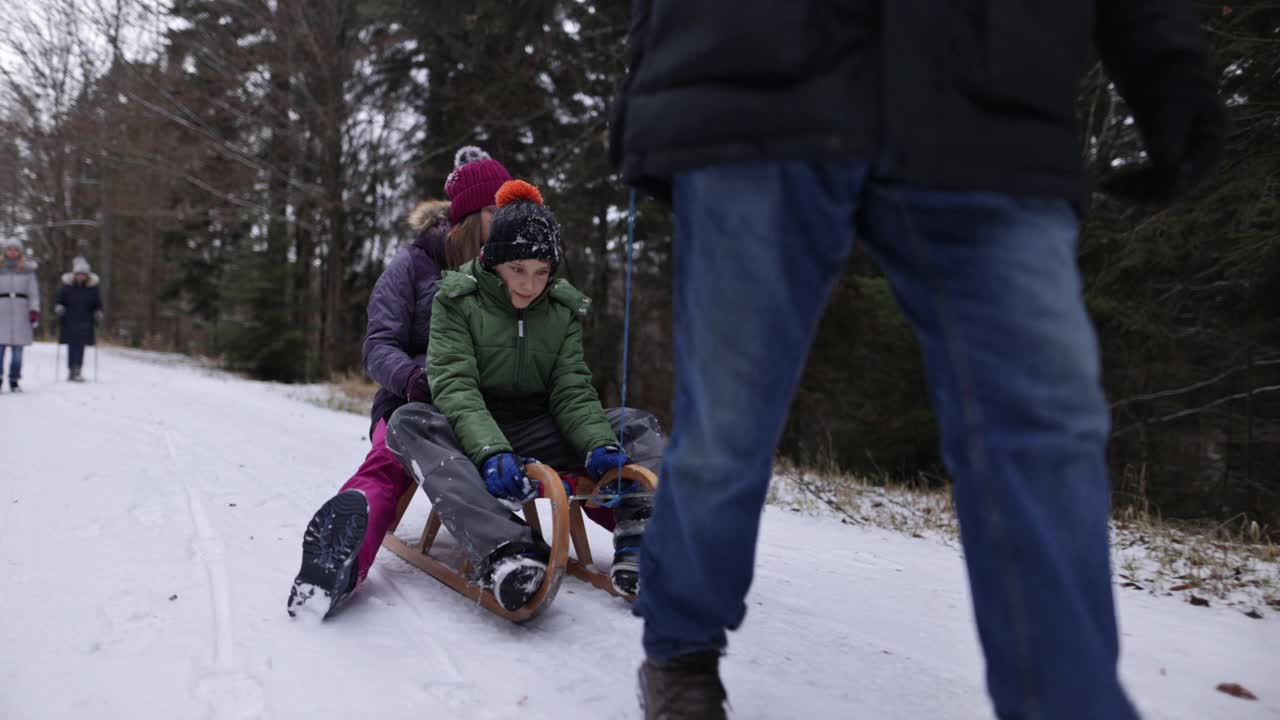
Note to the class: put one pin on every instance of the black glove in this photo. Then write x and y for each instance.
(418, 388)
(1184, 128)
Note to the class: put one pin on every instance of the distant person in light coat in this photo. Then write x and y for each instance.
(19, 307)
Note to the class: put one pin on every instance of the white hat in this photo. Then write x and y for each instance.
(13, 241)
(80, 265)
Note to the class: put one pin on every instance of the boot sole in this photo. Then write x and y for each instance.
(625, 578)
(330, 548)
(514, 588)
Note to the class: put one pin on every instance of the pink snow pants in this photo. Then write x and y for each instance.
(382, 481)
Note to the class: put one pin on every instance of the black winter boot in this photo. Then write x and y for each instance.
(686, 687)
(516, 576)
(624, 573)
(631, 516)
(330, 548)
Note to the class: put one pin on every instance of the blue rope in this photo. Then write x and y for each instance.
(626, 346)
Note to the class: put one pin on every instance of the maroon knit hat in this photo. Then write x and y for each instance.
(473, 183)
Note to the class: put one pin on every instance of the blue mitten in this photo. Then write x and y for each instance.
(505, 478)
(606, 458)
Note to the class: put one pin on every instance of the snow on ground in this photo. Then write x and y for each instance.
(1197, 563)
(150, 525)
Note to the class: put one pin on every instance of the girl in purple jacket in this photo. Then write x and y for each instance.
(345, 533)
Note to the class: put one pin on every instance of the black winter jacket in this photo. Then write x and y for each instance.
(955, 94)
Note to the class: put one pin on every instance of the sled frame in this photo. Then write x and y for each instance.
(568, 525)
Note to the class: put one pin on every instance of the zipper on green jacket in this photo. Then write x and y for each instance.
(519, 348)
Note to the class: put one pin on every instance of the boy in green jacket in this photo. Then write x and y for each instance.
(509, 384)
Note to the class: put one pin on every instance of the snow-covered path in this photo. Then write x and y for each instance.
(150, 525)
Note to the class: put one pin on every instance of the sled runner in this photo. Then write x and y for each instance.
(567, 526)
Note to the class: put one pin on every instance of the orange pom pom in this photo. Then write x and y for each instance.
(513, 190)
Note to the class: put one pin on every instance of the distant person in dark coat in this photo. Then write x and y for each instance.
(80, 308)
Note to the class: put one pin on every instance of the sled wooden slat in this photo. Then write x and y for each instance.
(429, 532)
(600, 579)
(531, 517)
(406, 497)
(578, 531)
(444, 573)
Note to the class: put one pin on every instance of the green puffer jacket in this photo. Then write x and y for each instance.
(489, 363)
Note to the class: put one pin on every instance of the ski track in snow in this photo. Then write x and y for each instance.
(229, 693)
(151, 524)
(424, 625)
(211, 554)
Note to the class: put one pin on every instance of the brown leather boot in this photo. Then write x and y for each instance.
(686, 687)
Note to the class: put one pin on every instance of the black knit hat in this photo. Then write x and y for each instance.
(521, 229)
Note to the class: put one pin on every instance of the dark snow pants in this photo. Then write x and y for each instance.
(421, 437)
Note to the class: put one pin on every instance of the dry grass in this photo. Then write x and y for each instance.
(1230, 563)
(351, 392)
(915, 509)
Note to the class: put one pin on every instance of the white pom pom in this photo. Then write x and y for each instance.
(467, 154)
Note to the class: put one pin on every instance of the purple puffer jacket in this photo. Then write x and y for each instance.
(395, 343)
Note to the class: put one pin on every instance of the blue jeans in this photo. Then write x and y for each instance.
(75, 355)
(15, 361)
(990, 285)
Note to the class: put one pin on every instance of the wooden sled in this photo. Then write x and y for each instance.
(567, 525)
